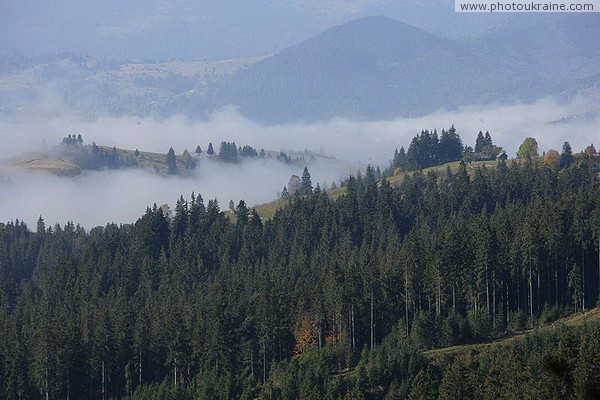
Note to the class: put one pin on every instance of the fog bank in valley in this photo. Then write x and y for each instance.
(95, 198)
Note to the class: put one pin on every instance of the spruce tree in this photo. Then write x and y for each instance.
(306, 183)
(479, 142)
(566, 157)
(171, 162)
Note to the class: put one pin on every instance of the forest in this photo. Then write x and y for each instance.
(330, 298)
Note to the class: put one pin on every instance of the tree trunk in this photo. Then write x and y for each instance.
(539, 292)
(175, 375)
(507, 306)
(406, 300)
(530, 291)
(47, 381)
(140, 370)
(494, 298)
(439, 297)
(353, 335)
(582, 278)
(556, 299)
(251, 363)
(103, 381)
(487, 288)
(320, 335)
(453, 298)
(372, 324)
(264, 363)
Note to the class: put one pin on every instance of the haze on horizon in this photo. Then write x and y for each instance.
(211, 29)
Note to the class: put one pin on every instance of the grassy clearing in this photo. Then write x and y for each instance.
(573, 320)
(396, 179)
(266, 211)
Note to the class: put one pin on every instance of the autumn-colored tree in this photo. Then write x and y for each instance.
(306, 335)
(590, 151)
(552, 158)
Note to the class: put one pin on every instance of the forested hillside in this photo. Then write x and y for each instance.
(327, 299)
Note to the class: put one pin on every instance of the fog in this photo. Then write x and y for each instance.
(97, 197)
(121, 196)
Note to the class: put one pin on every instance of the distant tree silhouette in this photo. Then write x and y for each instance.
(171, 162)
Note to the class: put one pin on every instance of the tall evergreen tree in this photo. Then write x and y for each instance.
(305, 183)
(171, 162)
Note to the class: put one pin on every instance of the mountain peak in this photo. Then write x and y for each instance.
(370, 68)
(375, 25)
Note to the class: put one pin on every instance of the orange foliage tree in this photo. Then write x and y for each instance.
(306, 335)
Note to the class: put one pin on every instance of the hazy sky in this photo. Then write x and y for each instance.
(207, 29)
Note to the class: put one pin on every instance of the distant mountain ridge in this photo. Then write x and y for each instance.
(373, 68)
(562, 47)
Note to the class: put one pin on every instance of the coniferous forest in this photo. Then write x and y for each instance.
(328, 299)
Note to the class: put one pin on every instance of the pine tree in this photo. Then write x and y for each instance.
(479, 142)
(171, 163)
(423, 386)
(566, 157)
(399, 159)
(306, 183)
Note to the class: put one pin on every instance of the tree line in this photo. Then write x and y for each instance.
(428, 149)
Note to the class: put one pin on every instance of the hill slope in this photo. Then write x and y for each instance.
(372, 68)
(560, 47)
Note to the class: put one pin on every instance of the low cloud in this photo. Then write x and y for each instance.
(121, 196)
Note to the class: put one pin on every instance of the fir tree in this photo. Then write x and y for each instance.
(171, 162)
(305, 183)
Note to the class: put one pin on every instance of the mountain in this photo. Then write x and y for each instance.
(366, 69)
(560, 47)
(374, 68)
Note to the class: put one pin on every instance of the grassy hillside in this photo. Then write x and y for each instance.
(574, 320)
(397, 178)
(72, 163)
